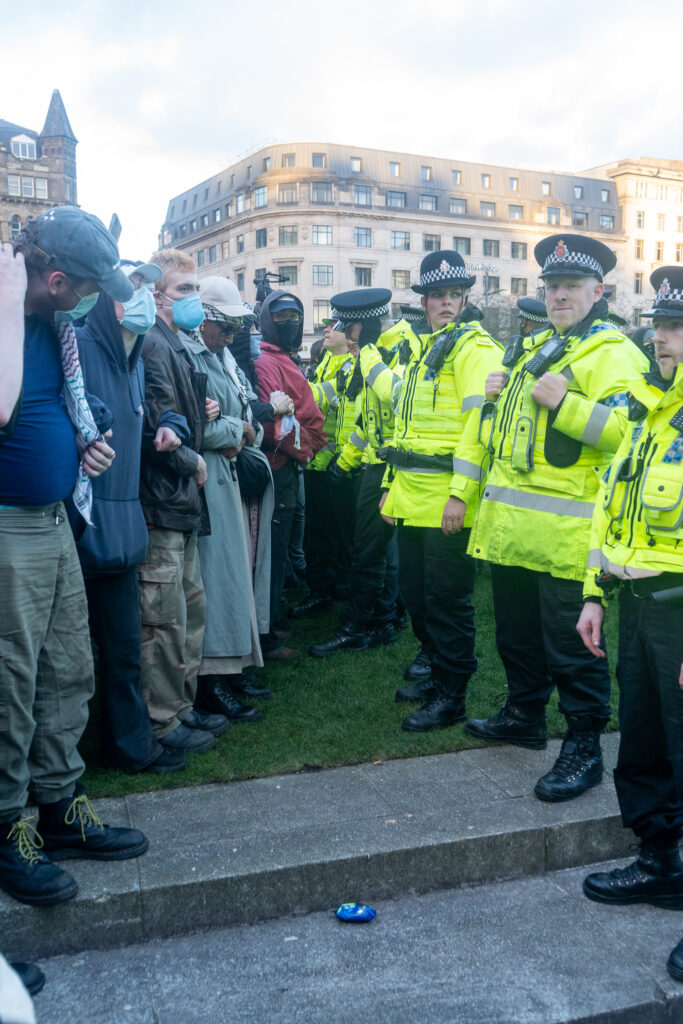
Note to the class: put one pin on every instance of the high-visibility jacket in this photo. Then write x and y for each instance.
(437, 414)
(324, 386)
(382, 368)
(546, 466)
(637, 527)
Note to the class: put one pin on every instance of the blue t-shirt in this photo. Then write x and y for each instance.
(39, 463)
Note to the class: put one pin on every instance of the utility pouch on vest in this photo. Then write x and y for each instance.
(522, 455)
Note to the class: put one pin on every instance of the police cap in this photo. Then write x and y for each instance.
(574, 255)
(360, 304)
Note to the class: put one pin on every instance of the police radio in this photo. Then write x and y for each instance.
(548, 353)
(442, 348)
(513, 350)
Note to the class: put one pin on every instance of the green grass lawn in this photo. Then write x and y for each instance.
(337, 711)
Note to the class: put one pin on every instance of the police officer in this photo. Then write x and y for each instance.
(560, 415)
(412, 314)
(637, 541)
(533, 316)
(371, 609)
(441, 393)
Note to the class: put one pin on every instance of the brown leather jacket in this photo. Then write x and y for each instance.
(168, 490)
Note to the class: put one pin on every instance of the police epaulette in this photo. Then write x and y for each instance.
(636, 410)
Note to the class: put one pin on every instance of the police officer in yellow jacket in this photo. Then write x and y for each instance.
(560, 415)
(330, 504)
(435, 435)
(638, 548)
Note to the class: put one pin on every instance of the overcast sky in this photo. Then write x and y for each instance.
(163, 95)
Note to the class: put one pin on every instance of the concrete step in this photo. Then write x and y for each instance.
(222, 855)
(530, 951)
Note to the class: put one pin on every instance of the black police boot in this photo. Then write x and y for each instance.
(314, 604)
(425, 690)
(444, 709)
(71, 828)
(215, 695)
(383, 636)
(349, 637)
(578, 768)
(25, 872)
(245, 685)
(206, 722)
(420, 667)
(656, 877)
(510, 725)
(674, 964)
(31, 977)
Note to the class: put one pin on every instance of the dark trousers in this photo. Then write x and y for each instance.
(330, 522)
(374, 572)
(114, 613)
(436, 579)
(649, 772)
(286, 489)
(536, 616)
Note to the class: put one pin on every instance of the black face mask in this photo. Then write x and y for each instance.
(288, 335)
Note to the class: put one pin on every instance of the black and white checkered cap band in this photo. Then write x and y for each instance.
(444, 272)
(534, 318)
(572, 259)
(349, 315)
(412, 318)
(668, 294)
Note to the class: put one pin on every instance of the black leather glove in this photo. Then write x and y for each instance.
(334, 470)
(370, 331)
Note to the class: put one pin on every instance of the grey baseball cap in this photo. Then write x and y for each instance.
(79, 244)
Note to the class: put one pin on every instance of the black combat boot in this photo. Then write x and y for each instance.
(244, 685)
(420, 668)
(215, 696)
(349, 637)
(444, 709)
(578, 767)
(25, 872)
(656, 877)
(31, 977)
(71, 828)
(510, 725)
(674, 964)
(314, 604)
(383, 636)
(425, 690)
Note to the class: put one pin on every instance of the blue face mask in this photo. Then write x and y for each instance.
(188, 313)
(139, 312)
(85, 304)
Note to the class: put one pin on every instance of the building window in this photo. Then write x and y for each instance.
(41, 188)
(216, 216)
(193, 224)
(212, 254)
(356, 164)
(553, 214)
(260, 197)
(579, 219)
(239, 203)
(182, 230)
(363, 277)
(206, 194)
(578, 191)
(287, 159)
(659, 252)
(204, 220)
(322, 273)
(13, 185)
(321, 192)
(458, 206)
(491, 247)
(321, 311)
(491, 284)
(286, 193)
(400, 279)
(288, 235)
(14, 228)
(266, 163)
(679, 223)
(545, 188)
(400, 240)
(640, 245)
(195, 197)
(514, 184)
(228, 209)
(322, 234)
(27, 187)
(394, 169)
(487, 209)
(515, 212)
(486, 181)
(362, 237)
(200, 257)
(607, 221)
(395, 198)
(184, 205)
(456, 177)
(604, 195)
(425, 173)
(640, 219)
(362, 195)
(679, 253)
(518, 286)
(518, 251)
(396, 313)
(427, 203)
(261, 238)
(638, 284)
(226, 249)
(462, 245)
(240, 243)
(240, 281)
(661, 221)
(24, 148)
(291, 273)
(431, 243)
(319, 160)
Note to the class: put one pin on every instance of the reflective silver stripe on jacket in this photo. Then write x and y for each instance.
(328, 388)
(539, 502)
(596, 424)
(419, 469)
(469, 469)
(329, 447)
(375, 372)
(472, 402)
(357, 441)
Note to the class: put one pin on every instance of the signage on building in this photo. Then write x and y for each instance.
(488, 268)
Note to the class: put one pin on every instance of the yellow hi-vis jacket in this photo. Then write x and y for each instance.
(375, 425)
(438, 414)
(546, 466)
(637, 527)
(325, 387)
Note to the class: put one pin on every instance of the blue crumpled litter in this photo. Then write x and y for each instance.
(355, 912)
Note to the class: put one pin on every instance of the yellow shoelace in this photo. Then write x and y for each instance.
(86, 813)
(28, 840)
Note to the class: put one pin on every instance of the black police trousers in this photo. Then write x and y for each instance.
(536, 616)
(436, 577)
(649, 772)
(328, 538)
(374, 572)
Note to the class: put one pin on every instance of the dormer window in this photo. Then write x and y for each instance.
(24, 147)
